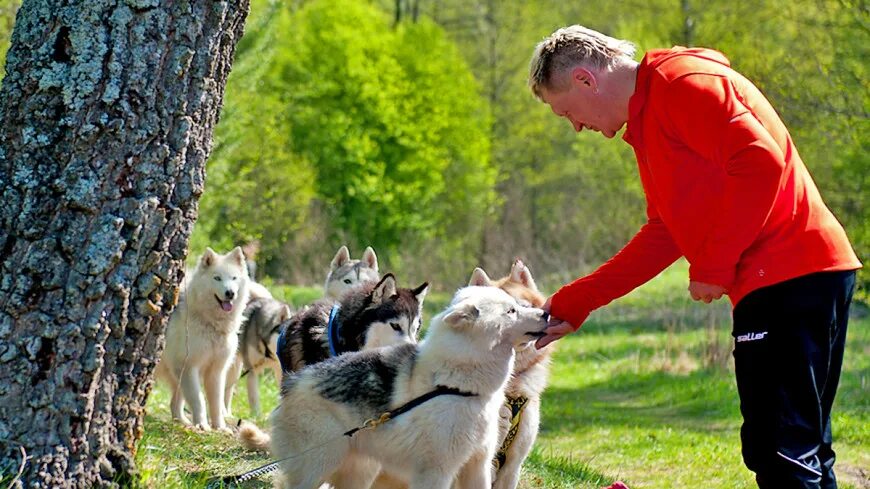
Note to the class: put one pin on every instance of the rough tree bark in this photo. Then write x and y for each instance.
(106, 119)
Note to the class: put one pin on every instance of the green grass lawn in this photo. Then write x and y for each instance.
(644, 393)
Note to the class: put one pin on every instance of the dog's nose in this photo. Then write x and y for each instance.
(545, 316)
(229, 294)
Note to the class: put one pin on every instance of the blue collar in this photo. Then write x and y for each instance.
(332, 329)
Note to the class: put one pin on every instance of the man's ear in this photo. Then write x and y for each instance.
(584, 78)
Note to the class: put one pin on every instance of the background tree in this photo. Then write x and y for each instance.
(106, 116)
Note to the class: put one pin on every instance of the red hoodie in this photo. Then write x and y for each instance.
(724, 184)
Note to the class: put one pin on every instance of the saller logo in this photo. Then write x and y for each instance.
(751, 336)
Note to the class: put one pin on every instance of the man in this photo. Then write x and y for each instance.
(726, 188)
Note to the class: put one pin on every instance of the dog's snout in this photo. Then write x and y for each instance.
(230, 294)
(545, 316)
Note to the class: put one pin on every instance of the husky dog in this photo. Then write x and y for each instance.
(521, 412)
(258, 346)
(202, 337)
(469, 348)
(345, 273)
(370, 315)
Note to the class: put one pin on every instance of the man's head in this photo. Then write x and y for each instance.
(585, 77)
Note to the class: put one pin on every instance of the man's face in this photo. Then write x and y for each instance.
(585, 104)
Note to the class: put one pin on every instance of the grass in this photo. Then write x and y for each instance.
(644, 393)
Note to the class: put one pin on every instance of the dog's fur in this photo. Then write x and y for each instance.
(202, 337)
(528, 379)
(470, 347)
(258, 346)
(345, 274)
(371, 315)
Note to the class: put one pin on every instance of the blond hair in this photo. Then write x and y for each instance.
(569, 47)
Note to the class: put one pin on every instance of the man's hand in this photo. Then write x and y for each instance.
(705, 292)
(556, 328)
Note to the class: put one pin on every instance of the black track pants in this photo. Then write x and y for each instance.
(788, 350)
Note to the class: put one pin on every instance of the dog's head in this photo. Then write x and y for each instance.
(519, 284)
(345, 273)
(488, 317)
(264, 319)
(393, 315)
(221, 280)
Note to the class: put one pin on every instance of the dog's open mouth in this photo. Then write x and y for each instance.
(227, 306)
(536, 334)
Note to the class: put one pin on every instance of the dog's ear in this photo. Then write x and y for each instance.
(479, 278)
(521, 274)
(285, 314)
(208, 258)
(420, 292)
(370, 258)
(385, 289)
(341, 257)
(238, 256)
(461, 316)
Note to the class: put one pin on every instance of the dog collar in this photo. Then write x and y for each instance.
(332, 329)
(517, 404)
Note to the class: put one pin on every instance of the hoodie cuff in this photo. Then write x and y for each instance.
(563, 307)
(721, 277)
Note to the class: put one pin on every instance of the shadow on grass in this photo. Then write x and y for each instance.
(701, 401)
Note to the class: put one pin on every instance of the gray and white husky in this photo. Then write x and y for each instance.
(469, 348)
(258, 346)
(368, 316)
(344, 273)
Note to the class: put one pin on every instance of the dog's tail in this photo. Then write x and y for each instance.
(253, 438)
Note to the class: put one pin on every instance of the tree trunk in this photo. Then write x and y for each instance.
(106, 119)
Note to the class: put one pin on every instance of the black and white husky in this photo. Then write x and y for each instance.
(367, 316)
(469, 348)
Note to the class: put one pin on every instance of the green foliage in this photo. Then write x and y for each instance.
(8, 8)
(339, 128)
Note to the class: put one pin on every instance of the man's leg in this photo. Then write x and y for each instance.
(789, 341)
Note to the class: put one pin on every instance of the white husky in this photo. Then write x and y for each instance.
(202, 337)
(469, 348)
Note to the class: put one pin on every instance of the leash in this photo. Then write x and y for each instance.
(517, 404)
(370, 424)
(332, 329)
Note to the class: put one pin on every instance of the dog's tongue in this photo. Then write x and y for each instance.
(227, 306)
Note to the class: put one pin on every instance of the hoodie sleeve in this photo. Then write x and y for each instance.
(649, 252)
(707, 114)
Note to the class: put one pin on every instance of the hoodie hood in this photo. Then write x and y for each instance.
(652, 62)
(655, 58)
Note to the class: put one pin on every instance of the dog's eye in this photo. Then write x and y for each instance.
(396, 327)
(347, 281)
(235, 278)
(217, 278)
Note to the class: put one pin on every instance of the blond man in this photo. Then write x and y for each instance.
(726, 189)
